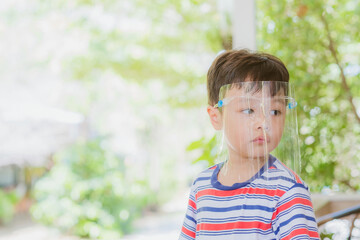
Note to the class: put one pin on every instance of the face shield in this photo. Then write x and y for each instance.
(258, 126)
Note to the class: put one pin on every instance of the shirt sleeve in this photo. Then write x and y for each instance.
(188, 230)
(294, 216)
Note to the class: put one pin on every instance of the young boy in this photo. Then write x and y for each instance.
(251, 195)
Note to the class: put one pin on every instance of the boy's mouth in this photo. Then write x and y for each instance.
(261, 139)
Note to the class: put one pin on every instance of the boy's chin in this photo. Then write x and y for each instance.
(259, 152)
(258, 155)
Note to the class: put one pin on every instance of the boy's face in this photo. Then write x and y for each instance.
(253, 123)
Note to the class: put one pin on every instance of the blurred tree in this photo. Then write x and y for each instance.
(92, 193)
(8, 200)
(128, 66)
(318, 42)
(142, 41)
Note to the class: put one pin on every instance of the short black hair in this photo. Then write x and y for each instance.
(241, 65)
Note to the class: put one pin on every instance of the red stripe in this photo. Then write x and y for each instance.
(272, 167)
(233, 226)
(192, 204)
(213, 167)
(188, 232)
(302, 231)
(258, 191)
(291, 203)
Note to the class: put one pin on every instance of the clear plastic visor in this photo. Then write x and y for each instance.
(258, 125)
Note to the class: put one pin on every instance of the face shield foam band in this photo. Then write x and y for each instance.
(291, 102)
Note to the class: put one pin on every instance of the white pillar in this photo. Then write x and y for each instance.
(244, 24)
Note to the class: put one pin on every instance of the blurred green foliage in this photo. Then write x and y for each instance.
(302, 34)
(209, 150)
(296, 32)
(88, 193)
(144, 41)
(8, 201)
(126, 66)
(326, 236)
(170, 42)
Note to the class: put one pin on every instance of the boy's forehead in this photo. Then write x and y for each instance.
(235, 91)
(243, 91)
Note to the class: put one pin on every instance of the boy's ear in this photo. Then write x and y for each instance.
(215, 117)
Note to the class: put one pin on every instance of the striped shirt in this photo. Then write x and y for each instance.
(274, 204)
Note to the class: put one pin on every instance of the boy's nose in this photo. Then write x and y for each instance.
(264, 126)
(262, 119)
(262, 123)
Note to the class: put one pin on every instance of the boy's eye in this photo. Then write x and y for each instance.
(248, 111)
(275, 112)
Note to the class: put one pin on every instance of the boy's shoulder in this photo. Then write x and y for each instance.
(278, 171)
(204, 177)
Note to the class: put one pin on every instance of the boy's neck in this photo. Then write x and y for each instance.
(239, 169)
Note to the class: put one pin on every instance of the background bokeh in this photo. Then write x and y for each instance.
(103, 106)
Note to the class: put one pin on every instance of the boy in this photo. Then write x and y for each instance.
(252, 194)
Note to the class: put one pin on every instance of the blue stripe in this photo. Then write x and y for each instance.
(234, 208)
(292, 197)
(293, 218)
(190, 218)
(184, 236)
(204, 187)
(191, 209)
(235, 219)
(298, 194)
(294, 208)
(191, 228)
(278, 178)
(201, 179)
(297, 226)
(270, 199)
